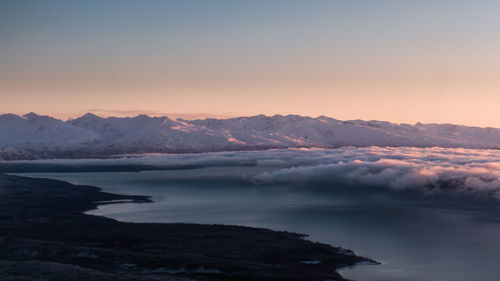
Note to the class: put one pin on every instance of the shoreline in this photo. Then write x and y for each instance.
(45, 235)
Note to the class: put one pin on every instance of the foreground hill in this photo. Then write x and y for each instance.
(45, 236)
(33, 136)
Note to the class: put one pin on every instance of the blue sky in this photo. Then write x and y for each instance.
(402, 61)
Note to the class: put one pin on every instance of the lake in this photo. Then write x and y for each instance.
(434, 236)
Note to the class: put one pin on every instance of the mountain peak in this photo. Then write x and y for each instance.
(89, 115)
(31, 115)
(143, 116)
(45, 118)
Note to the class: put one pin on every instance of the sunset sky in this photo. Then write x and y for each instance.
(401, 61)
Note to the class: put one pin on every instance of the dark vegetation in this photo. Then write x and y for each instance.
(44, 235)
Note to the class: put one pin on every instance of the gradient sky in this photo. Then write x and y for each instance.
(402, 61)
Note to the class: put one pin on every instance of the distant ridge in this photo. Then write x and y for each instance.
(34, 136)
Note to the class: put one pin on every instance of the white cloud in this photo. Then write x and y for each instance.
(472, 171)
(429, 169)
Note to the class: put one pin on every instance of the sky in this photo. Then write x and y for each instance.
(401, 61)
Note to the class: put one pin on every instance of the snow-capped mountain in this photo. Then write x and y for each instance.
(34, 136)
(33, 131)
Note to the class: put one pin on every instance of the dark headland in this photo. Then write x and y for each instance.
(44, 235)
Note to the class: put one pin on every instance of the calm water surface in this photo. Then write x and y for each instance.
(415, 237)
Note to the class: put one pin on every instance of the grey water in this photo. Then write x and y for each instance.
(416, 237)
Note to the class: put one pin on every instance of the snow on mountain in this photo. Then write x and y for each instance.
(34, 136)
(32, 130)
(153, 134)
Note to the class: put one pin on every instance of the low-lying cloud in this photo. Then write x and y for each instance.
(474, 171)
(428, 169)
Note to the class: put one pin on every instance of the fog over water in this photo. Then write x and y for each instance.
(425, 213)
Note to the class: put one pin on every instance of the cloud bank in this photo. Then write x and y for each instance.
(471, 171)
(429, 169)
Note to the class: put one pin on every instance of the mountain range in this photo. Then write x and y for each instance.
(34, 136)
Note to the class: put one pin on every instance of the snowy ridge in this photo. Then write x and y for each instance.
(33, 136)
